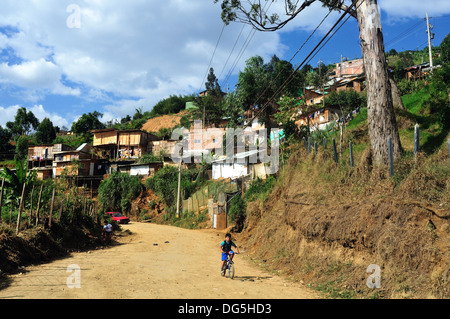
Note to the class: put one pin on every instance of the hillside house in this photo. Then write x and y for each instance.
(349, 68)
(117, 144)
(312, 97)
(417, 72)
(79, 162)
(355, 83)
(318, 119)
(162, 148)
(40, 156)
(243, 164)
(147, 169)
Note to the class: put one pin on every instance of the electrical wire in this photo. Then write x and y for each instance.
(244, 46)
(212, 57)
(306, 59)
(301, 47)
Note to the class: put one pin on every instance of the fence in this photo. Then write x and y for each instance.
(200, 199)
(307, 144)
(51, 206)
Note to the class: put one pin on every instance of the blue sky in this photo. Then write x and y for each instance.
(63, 58)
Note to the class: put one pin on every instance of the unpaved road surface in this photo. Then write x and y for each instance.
(154, 262)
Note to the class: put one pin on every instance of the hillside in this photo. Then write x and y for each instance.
(324, 223)
(163, 121)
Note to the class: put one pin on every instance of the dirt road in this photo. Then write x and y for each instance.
(154, 262)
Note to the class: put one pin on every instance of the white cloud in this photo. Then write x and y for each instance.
(146, 50)
(414, 8)
(128, 54)
(9, 113)
(35, 75)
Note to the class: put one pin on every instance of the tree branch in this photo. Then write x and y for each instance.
(258, 19)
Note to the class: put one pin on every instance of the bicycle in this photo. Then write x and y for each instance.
(229, 265)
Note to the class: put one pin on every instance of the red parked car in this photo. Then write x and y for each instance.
(118, 217)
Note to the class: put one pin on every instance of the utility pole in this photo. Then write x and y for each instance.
(179, 185)
(430, 36)
(320, 74)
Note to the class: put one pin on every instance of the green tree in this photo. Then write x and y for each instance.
(22, 143)
(5, 139)
(86, 123)
(346, 101)
(45, 133)
(171, 105)
(24, 122)
(259, 84)
(212, 84)
(233, 108)
(210, 108)
(445, 49)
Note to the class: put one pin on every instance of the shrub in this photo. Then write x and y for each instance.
(237, 212)
(118, 190)
(165, 184)
(260, 189)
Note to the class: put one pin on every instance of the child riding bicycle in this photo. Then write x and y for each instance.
(225, 247)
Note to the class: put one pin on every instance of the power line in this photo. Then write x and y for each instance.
(295, 54)
(306, 59)
(212, 57)
(403, 35)
(244, 46)
(232, 50)
(241, 52)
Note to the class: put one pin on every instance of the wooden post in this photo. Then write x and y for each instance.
(85, 206)
(179, 189)
(19, 216)
(31, 205)
(448, 146)
(315, 149)
(335, 151)
(60, 211)
(1, 196)
(309, 145)
(391, 157)
(51, 209)
(416, 139)
(352, 164)
(39, 205)
(11, 211)
(324, 143)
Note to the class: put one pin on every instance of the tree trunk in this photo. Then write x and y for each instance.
(380, 109)
(396, 98)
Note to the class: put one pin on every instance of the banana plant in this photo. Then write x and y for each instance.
(14, 180)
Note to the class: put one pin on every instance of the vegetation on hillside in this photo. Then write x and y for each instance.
(324, 223)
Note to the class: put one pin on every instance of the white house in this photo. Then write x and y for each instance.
(243, 164)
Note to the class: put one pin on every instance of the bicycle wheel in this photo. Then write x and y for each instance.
(231, 270)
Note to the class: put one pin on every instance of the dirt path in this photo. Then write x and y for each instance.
(183, 264)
